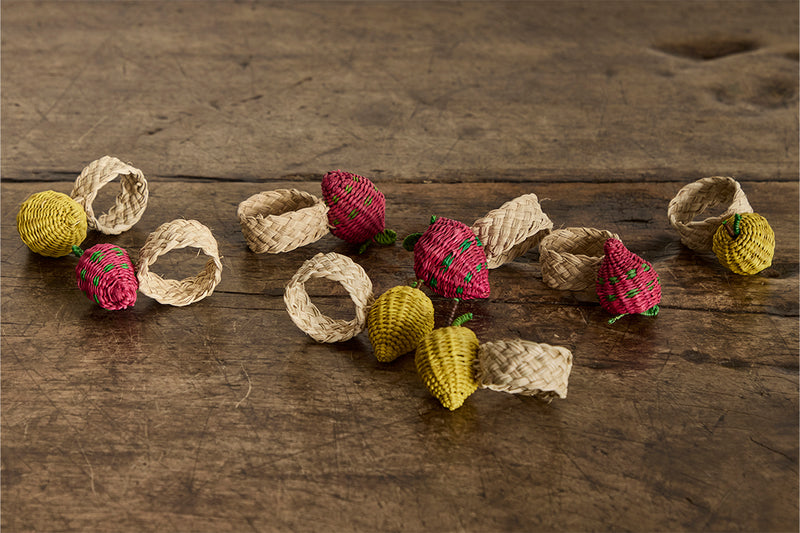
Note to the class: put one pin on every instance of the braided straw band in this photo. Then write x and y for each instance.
(131, 200)
(51, 223)
(170, 236)
(308, 317)
(524, 367)
(694, 199)
(745, 243)
(282, 220)
(105, 274)
(570, 257)
(513, 229)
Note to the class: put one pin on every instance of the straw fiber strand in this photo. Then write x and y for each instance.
(570, 257)
(282, 220)
(308, 317)
(130, 202)
(524, 367)
(105, 274)
(511, 230)
(696, 198)
(397, 321)
(50, 223)
(745, 243)
(445, 360)
(171, 236)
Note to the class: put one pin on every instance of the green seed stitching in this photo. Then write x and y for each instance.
(468, 277)
(645, 267)
(633, 292)
(83, 274)
(108, 267)
(432, 282)
(335, 222)
(459, 290)
(118, 250)
(124, 265)
(96, 300)
(97, 256)
(611, 297)
(651, 285)
(348, 188)
(96, 280)
(612, 281)
(600, 280)
(478, 268)
(465, 245)
(355, 177)
(368, 200)
(478, 242)
(447, 262)
(631, 273)
(352, 214)
(334, 199)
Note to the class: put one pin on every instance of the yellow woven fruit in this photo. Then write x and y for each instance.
(745, 243)
(445, 361)
(51, 223)
(397, 321)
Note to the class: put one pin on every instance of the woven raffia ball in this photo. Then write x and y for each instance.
(397, 321)
(745, 243)
(445, 361)
(626, 283)
(511, 230)
(524, 367)
(50, 223)
(105, 274)
(356, 208)
(450, 259)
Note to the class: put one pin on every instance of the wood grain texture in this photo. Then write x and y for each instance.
(489, 90)
(223, 416)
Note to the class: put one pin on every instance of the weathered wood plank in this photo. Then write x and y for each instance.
(129, 420)
(517, 91)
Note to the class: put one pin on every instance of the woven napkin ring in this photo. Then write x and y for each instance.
(51, 223)
(570, 257)
(743, 241)
(352, 208)
(453, 364)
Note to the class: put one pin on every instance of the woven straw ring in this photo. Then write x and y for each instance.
(697, 197)
(307, 316)
(131, 200)
(173, 235)
(570, 257)
(282, 220)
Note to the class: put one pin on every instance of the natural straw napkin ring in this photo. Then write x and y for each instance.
(570, 257)
(511, 230)
(130, 202)
(524, 367)
(308, 317)
(282, 220)
(170, 236)
(699, 196)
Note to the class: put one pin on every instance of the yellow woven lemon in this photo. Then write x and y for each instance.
(50, 223)
(445, 361)
(745, 243)
(397, 321)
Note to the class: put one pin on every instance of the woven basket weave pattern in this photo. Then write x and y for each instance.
(175, 235)
(750, 251)
(451, 261)
(397, 321)
(698, 197)
(512, 229)
(570, 257)
(105, 274)
(524, 367)
(308, 317)
(131, 200)
(50, 223)
(282, 220)
(445, 361)
(356, 209)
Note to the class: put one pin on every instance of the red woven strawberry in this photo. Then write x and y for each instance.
(626, 283)
(356, 208)
(450, 259)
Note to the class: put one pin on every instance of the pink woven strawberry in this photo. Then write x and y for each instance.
(356, 208)
(626, 283)
(105, 274)
(450, 259)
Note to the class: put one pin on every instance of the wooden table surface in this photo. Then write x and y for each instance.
(223, 416)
